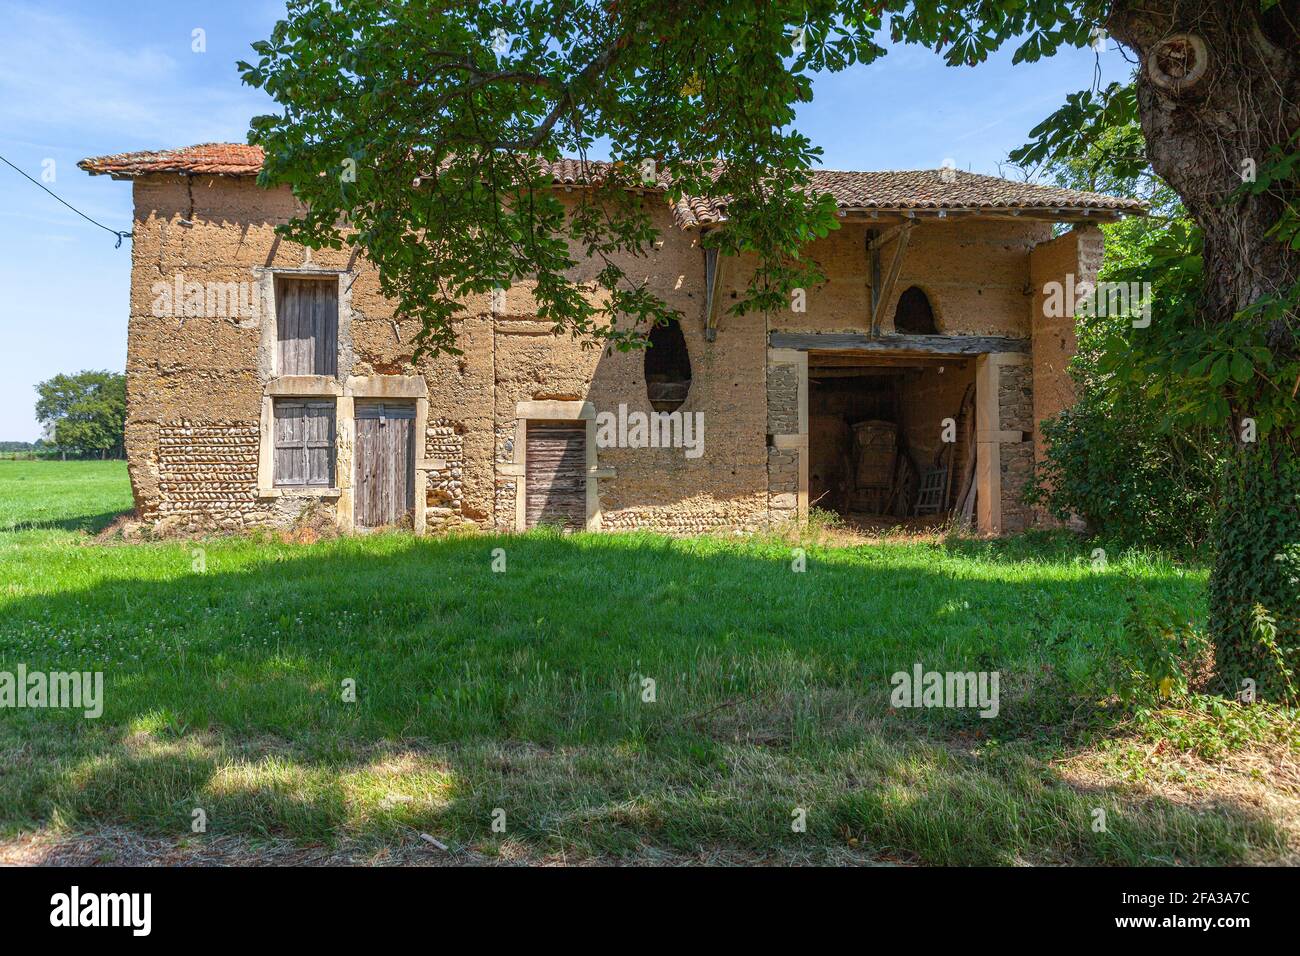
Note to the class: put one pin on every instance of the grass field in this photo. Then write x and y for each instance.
(519, 698)
(61, 496)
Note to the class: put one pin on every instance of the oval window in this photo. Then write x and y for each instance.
(913, 316)
(667, 368)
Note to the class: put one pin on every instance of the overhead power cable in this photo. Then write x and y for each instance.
(120, 235)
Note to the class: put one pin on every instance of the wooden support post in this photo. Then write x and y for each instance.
(712, 305)
(873, 256)
(903, 233)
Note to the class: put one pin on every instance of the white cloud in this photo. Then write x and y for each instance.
(57, 74)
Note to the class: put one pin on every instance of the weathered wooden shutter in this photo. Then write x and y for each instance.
(556, 474)
(304, 443)
(290, 461)
(307, 326)
(385, 463)
(318, 431)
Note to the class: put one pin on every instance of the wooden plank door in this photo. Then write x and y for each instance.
(385, 463)
(307, 326)
(555, 467)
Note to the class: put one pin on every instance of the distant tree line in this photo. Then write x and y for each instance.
(83, 414)
(28, 449)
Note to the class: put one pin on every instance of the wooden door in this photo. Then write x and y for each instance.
(385, 463)
(555, 466)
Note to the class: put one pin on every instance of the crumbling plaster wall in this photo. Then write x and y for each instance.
(975, 273)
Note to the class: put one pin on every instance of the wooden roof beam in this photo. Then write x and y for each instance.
(906, 345)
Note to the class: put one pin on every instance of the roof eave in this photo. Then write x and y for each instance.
(1027, 213)
(1081, 214)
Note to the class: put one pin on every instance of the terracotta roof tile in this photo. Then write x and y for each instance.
(891, 191)
(953, 189)
(926, 190)
(206, 159)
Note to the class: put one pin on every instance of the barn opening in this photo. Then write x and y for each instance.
(877, 430)
(667, 367)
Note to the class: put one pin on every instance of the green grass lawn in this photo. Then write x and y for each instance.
(69, 496)
(520, 697)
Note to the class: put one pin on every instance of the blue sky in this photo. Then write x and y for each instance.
(89, 78)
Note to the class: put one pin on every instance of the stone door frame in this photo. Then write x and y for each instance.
(989, 436)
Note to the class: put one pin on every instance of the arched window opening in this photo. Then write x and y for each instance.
(667, 368)
(914, 315)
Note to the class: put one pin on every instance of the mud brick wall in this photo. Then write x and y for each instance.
(1076, 253)
(1016, 413)
(207, 474)
(208, 369)
(974, 273)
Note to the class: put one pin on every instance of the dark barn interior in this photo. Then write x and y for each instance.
(877, 428)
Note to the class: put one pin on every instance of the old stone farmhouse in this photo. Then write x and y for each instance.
(912, 383)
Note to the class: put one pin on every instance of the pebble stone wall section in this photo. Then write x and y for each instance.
(504, 486)
(696, 515)
(444, 447)
(207, 475)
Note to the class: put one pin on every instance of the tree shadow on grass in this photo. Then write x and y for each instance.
(526, 691)
(88, 523)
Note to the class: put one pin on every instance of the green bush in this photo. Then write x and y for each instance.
(1112, 461)
(1123, 458)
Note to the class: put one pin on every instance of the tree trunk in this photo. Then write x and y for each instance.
(1255, 587)
(1217, 89)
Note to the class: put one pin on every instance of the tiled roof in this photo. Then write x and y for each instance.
(575, 172)
(927, 190)
(206, 159)
(954, 189)
(893, 191)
